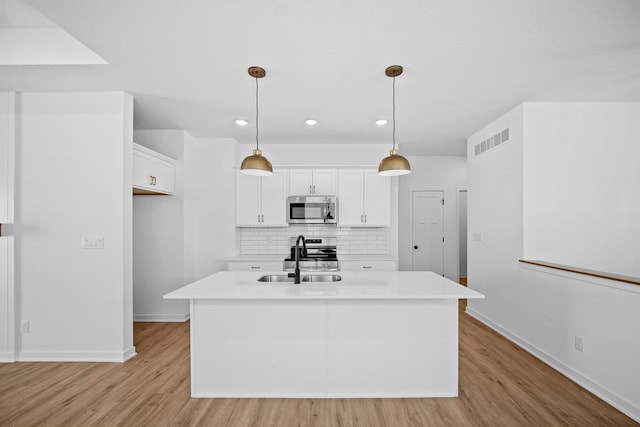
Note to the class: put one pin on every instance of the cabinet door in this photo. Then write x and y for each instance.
(386, 265)
(254, 265)
(274, 199)
(377, 199)
(325, 182)
(350, 194)
(151, 173)
(164, 176)
(142, 170)
(247, 200)
(300, 182)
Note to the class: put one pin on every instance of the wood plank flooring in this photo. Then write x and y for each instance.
(500, 385)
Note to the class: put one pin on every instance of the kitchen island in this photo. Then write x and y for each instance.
(371, 334)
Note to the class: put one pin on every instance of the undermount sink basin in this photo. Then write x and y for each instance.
(283, 278)
(321, 278)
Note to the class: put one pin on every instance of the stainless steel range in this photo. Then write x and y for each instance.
(322, 255)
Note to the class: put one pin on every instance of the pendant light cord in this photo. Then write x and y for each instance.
(394, 112)
(257, 114)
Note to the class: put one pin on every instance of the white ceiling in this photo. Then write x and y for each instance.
(465, 63)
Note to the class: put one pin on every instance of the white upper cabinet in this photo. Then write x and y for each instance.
(350, 197)
(248, 195)
(377, 199)
(364, 198)
(321, 182)
(274, 199)
(153, 173)
(261, 201)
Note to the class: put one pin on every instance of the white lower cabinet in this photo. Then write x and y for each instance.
(153, 173)
(363, 265)
(254, 265)
(261, 201)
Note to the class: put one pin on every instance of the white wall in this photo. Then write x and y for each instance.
(582, 185)
(446, 173)
(7, 289)
(187, 236)
(540, 309)
(209, 205)
(301, 155)
(73, 179)
(158, 237)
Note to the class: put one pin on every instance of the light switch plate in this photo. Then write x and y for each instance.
(93, 242)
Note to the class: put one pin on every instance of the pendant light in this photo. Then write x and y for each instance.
(394, 164)
(256, 164)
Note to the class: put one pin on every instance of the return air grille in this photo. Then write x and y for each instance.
(492, 142)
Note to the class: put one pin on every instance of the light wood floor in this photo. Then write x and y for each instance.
(500, 385)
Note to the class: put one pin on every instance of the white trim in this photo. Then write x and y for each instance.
(129, 353)
(458, 191)
(574, 275)
(7, 357)
(76, 356)
(161, 317)
(321, 395)
(618, 402)
(12, 321)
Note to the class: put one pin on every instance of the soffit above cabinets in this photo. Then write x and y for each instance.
(27, 37)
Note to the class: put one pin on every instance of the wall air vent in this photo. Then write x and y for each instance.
(492, 142)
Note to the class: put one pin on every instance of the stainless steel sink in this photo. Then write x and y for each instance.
(321, 278)
(283, 278)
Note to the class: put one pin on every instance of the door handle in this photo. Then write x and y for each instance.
(415, 247)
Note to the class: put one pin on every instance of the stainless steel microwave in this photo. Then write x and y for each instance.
(312, 210)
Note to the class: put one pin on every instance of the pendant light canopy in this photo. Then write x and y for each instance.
(394, 164)
(256, 164)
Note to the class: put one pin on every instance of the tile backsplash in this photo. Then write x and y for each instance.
(276, 241)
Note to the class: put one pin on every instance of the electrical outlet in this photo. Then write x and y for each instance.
(477, 237)
(578, 343)
(24, 326)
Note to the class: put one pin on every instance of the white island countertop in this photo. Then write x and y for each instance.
(374, 285)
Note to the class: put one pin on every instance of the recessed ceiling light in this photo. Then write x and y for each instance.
(381, 122)
(311, 122)
(241, 122)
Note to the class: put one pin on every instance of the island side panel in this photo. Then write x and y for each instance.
(392, 348)
(258, 348)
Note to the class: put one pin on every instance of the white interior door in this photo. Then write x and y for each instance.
(427, 231)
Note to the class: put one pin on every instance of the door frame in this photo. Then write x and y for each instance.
(8, 232)
(444, 228)
(458, 191)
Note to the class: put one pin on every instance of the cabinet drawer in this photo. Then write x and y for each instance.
(363, 265)
(254, 265)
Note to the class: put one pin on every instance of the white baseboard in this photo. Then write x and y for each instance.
(161, 317)
(594, 387)
(76, 356)
(7, 357)
(129, 353)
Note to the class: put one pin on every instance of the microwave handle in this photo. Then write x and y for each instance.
(328, 214)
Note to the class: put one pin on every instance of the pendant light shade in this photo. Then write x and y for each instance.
(394, 164)
(256, 164)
